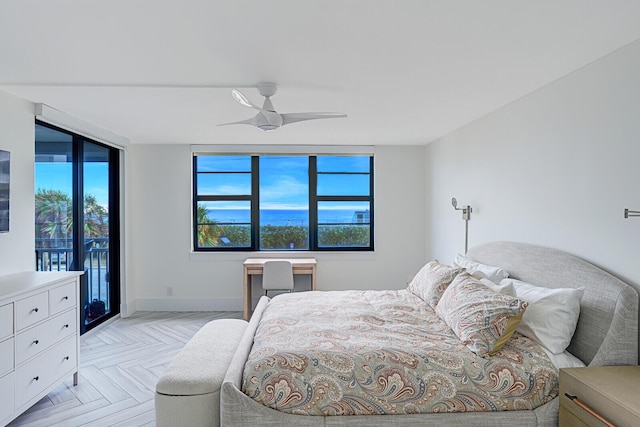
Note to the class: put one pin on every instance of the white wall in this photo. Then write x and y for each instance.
(555, 168)
(159, 234)
(17, 133)
(158, 226)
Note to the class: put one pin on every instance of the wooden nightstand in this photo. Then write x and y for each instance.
(613, 392)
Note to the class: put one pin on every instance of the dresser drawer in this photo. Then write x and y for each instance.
(32, 310)
(6, 391)
(37, 339)
(567, 419)
(6, 320)
(65, 357)
(609, 392)
(6, 357)
(44, 370)
(62, 298)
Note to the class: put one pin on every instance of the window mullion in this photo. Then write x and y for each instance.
(343, 198)
(78, 203)
(371, 207)
(313, 203)
(206, 198)
(194, 207)
(255, 202)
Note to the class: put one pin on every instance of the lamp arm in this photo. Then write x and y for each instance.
(629, 213)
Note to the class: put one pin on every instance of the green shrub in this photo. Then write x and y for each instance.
(343, 235)
(282, 237)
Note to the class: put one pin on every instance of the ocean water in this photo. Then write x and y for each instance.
(283, 216)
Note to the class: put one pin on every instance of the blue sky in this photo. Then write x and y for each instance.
(58, 176)
(284, 180)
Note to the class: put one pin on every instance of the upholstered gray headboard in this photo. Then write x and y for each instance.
(607, 331)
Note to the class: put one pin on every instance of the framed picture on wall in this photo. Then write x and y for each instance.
(4, 191)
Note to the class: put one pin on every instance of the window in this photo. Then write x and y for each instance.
(282, 202)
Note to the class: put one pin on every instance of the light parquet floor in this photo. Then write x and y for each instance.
(120, 364)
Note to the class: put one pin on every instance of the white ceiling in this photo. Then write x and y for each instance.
(405, 72)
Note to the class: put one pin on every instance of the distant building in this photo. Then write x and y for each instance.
(360, 217)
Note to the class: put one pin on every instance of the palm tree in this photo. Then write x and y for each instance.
(208, 232)
(96, 218)
(54, 216)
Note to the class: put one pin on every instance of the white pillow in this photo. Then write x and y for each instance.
(564, 360)
(552, 314)
(504, 289)
(481, 271)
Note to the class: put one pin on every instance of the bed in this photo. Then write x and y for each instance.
(606, 334)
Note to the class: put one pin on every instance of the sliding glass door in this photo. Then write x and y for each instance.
(76, 224)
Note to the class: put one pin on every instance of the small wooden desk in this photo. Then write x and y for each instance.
(253, 266)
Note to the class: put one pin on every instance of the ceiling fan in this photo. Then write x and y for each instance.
(268, 118)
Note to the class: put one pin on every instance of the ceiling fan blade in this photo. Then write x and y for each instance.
(251, 121)
(239, 96)
(299, 117)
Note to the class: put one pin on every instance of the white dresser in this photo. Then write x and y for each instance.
(39, 337)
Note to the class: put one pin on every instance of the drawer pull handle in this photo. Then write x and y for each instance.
(35, 309)
(65, 297)
(36, 378)
(586, 407)
(66, 358)
(36, 341)
(66, 326)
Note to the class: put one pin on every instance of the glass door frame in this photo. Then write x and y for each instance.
(79, 252)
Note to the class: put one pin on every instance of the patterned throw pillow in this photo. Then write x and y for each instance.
(483, 319)
(481, 271)
(432, 280)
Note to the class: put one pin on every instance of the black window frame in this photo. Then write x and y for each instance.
(254, 200)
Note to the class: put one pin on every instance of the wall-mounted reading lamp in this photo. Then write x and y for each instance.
(628, 213)
(466, 216)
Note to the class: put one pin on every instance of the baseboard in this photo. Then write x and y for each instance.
(186, 304)
(127, 309)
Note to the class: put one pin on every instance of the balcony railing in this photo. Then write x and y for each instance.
(57, 255)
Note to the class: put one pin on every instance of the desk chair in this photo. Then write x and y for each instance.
(277, 276)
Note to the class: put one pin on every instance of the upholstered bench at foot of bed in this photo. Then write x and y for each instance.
(188, 393)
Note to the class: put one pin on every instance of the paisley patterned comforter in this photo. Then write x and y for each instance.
(384, 352)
